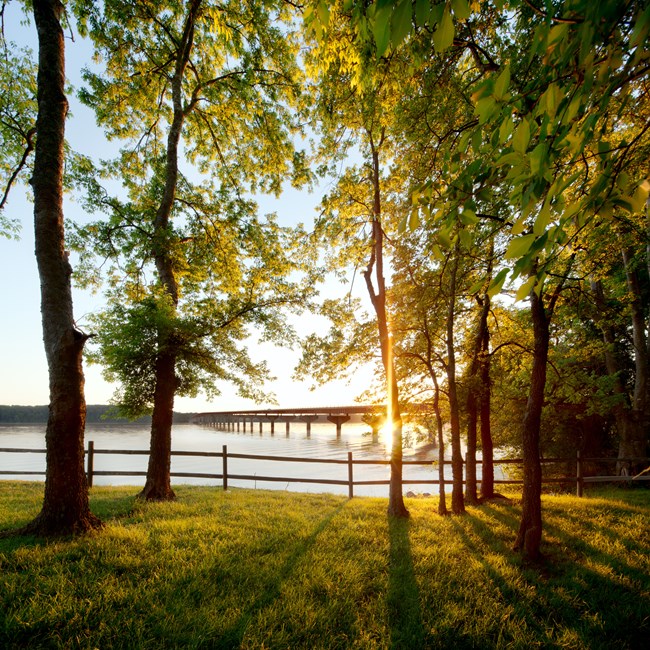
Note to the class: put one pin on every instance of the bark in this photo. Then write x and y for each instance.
(478, 401)
(529, 536)
(158, 483)
(487, 445)
(634, 438)
(632, 435)
(471, 493)
(65, 506)
(457, 500)
(396, 506)
(442, 499)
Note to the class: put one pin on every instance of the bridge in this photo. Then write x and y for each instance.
(372, 414)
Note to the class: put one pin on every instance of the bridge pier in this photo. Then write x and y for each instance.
(308, 419)
(339, 421)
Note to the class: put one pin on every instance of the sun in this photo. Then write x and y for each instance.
(386, 433)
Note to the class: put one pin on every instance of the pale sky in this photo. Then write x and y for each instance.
(23, 378)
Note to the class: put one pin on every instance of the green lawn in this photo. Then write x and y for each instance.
(270, 569)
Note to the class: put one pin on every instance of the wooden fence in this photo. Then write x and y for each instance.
(577, 478)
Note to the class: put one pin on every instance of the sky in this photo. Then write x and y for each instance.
(23, 375)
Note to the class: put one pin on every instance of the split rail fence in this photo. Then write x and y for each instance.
(578, 464)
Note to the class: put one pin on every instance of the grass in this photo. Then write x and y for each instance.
(269, 569)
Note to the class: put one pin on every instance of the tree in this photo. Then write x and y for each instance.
(543, 114)
(358, 96)
(207, 96)
(65, 507)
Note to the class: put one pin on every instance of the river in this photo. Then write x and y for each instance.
(321, 443)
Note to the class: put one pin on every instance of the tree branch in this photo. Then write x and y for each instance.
(28, 149)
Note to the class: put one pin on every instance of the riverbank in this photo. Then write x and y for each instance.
(270, 569)
(95, 413)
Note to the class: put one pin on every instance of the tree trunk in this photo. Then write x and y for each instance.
(529, 536)
(471, 494)
(487, 446)
(632, 436)
(442, 500)
(65, 506)
(158, 483)
(457, 500)
(396, 506)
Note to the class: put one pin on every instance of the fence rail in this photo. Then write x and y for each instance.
(578, 463)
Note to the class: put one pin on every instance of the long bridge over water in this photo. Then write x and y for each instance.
(373, 415)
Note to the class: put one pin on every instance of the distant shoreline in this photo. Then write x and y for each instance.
(95, 413)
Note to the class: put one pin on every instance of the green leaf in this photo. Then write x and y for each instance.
(400, 25)
(502, 83)
(519, 226)
(465, 238)
(521, 137)
(477, 140)
(422, 12)
(414, 219)
(381, 30)
(525, 289)
(461, 9)
(476, 287)
(520, 246)
(497, 284)
(443, 238)
(542, 220)
(462, 143)
(571, 110)
(641, 29)
(506, 129)
(513, 158)
(323, 11)
(468, 217)
(557, 33)
(437, 252)
(537, 158)
(551, 99)
(443, 37)
(485, 109)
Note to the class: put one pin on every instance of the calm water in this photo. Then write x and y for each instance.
(322, 443)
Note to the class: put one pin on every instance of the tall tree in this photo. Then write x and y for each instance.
(554, 94)
(206, 95)
(65, 507)
(356, 98)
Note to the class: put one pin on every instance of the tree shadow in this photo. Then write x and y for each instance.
(233, 636)
(592, 595)
(403, 598)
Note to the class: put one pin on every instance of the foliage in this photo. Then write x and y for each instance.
(192, 266)
(276, 569)
(18, 110)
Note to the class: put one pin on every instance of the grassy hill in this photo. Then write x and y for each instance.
(270, 569)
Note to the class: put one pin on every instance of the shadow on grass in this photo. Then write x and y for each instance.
(581, 592)
(233, 636)
(403, 597)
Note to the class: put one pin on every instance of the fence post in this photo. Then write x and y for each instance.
(224, 458)
(578, 474)
(350, 476)
(91, 463)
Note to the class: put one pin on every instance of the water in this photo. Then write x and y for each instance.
(322, 443)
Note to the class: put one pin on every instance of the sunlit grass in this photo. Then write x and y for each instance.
(269, 569)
